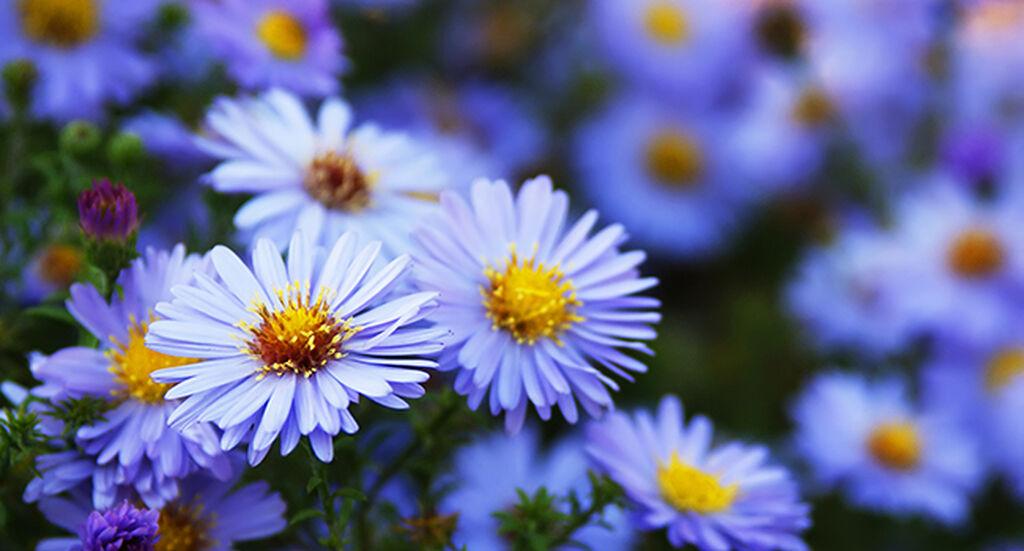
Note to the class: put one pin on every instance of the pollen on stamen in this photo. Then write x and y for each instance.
(299, 337)
(530, 300)
(132, 363)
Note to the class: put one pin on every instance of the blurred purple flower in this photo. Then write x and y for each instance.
(108, 211)
(121, 528)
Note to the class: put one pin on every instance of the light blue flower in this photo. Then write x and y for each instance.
(132, 446)
(536, 306)
(846, 293)
(488, 473)
(885, 454)
(291, 44)
(85, 51)
(664, 172)
(689, 49)
(209, 514)
(711, 497)
(285, 349)
(323, 179)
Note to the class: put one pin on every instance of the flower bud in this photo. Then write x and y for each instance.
(80, 138)
(108, 212)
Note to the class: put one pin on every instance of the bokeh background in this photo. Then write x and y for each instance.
(784, 126)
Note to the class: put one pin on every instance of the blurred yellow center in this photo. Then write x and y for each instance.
(675, 159)
(530, 300)
(995, 16)
(976, 253)
(132, 363)
(690, 489)
(300, 336)
(813, 108)
(1003, 368)
(282, 34)
(896, 445)
(61, 23)
(666, 23)
(59, 264)
(336, 181)
(184, 528)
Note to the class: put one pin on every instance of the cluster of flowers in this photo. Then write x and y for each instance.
(377, 254)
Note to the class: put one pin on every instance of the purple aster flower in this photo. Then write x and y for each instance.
(121, 528)
(53, 268)
(132, 446)
(285, 349)
(690, 47)
(323, 179)
(713, 498)
(108, 211)
(210, 514)
(290, 44)
(663, 172)
(488, 472)
(84, 50)
(534, 305)
(883, 452)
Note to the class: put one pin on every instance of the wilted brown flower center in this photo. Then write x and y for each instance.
(337, 182)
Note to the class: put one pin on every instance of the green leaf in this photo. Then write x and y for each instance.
(50, 311)
(304, 515)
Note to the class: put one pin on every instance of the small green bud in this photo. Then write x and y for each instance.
(19, 79)
(80, 138)
(125, 149)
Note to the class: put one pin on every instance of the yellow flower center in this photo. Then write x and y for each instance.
(666, 23)
(530, 300)
(813, 108)
(675, 159)
(183, 527)
(300, 337)
(976, 253)
(690, 489)
(337, 182)
(283, 34)
(61, 23)
(1003, 368)
(994, 17)
(59, 264)
(132, 363)
(896, 445)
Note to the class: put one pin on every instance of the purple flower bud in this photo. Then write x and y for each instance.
(122, 528)
(108, 211)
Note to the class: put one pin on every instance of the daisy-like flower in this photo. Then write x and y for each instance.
(264, 43)
(324, 179)
(132, 445)
(84, 51)
(533, 305)
(714, 498)
(965, 257)
(489, 472)
(53, 268)
(678, 46)
(847, 293)
(210, 514)
(284, 349)
(670, 180)
(981, 384)
(885, 454)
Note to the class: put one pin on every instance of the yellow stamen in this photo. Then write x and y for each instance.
(675, 159)
(690, 489)
(896, 445)
(183, 527)
(60, 23)
(530, 300)
(283, 34)
(1003, 368)
(299, 338)
(132, 363)
(976, 253)
(666, 23)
